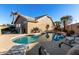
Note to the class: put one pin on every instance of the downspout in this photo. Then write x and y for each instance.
(26, 27)
(20, 29)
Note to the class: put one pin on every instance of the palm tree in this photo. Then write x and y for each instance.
(57, 23)
(13, 15)
(66, 20)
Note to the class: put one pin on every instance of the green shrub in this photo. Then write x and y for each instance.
(70, 32)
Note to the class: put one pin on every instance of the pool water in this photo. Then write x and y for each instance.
(58, 37)
(35, 38)
(26, 39)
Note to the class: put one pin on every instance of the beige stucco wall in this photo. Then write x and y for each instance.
(74, 27)
(41, 24)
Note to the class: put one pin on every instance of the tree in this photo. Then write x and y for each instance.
(57, 23)
(66, 20)
(13, 13)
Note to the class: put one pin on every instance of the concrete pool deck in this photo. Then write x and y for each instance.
(51, 46)
(6, 42)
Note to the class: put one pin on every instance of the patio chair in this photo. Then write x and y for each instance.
(70, 41)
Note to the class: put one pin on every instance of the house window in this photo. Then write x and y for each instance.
(18, 25)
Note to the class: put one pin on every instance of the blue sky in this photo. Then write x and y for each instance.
(56, 11)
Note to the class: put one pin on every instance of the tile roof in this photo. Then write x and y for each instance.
(40, 16)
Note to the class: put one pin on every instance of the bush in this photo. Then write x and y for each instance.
(57, 29)
(70, 32)
(65, 31)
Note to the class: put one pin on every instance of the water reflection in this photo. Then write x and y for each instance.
(58, 37)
